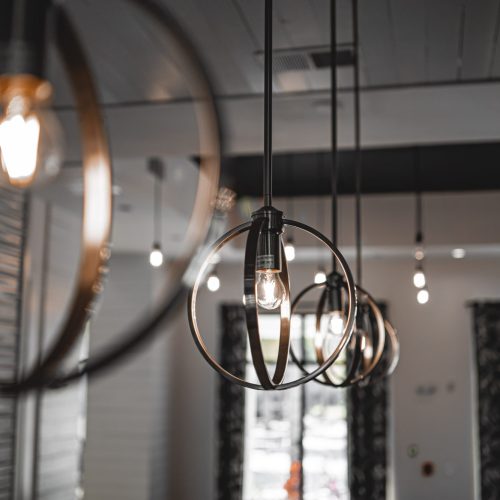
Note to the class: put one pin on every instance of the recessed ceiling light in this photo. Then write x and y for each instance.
(458, 253)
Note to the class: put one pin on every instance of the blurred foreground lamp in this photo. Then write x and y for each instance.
(157, 170)
(30, 152)
(265, 281)
(30, 133)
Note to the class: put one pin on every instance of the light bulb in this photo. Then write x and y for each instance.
(270, 290)
(419, 278)
(289, 251)
(458, 253)
(213, 283)
(335, 322)
(423, 296)
(156, 256)
(419, 253)
(30, 141)
(320, 276)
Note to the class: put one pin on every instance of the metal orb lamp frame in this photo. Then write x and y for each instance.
(97, 211)
(251, 310)
(264, 252)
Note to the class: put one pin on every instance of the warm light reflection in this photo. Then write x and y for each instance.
(19, 137)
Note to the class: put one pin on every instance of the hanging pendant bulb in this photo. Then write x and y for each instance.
(213, 282)
(30, 134)
(419, 277)
(157, 170)
(335, 322)
(156, 256)
(423, 296)
(320, 276)
(289, 250)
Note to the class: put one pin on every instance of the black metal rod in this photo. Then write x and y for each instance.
(333, 130)
(158, 203)
(268, 105)
(419, 235)
(357, 139)
(23, 36)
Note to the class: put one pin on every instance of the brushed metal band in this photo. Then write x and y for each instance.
(252, 314)
(97, 205)
(250, 292)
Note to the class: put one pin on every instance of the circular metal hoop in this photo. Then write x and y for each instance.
(210, 140)
(193, 294)
(183, 270)
(97, 206)
(393, 357)
(252, 313)
(351, 377)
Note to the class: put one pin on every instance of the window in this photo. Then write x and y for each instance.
(286, 431)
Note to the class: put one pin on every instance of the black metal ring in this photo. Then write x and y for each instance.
(350, 378)
(193, 294)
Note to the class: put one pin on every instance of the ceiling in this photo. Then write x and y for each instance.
(430, 74)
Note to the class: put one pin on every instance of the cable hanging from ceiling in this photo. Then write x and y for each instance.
(265, 280)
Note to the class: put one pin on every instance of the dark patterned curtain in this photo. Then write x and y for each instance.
(367, 414)
(486, 317)
(231, 404)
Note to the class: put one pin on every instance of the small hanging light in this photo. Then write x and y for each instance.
(289, 249)
(157, 170)
(419, 277)
(265, 282)
(213, 281)
(289, 242)
(320, 276)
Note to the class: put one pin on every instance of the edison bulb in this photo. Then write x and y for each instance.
(319, 277)
(419, 278)
(423, 296)
(289, 251)
(213, 283)
(335, 322)
(156, 256)
(270, 290)
(30, 142)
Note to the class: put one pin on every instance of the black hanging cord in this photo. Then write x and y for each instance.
(157, 171)
(333, 96)
(268, 105)
(357, 139)
(157, 196)
(419, 236)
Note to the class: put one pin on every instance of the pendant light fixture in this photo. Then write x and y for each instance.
(367, 345)
(157, 170)
(419, 277)
(23, 92)
(265, 282)
(213, 281)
